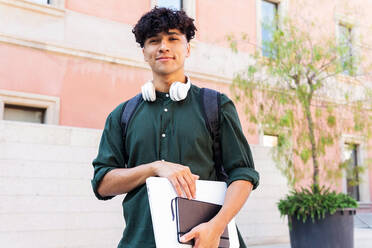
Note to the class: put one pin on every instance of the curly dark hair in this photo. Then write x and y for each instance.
(161, 20)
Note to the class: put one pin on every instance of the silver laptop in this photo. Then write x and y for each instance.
(161, 193)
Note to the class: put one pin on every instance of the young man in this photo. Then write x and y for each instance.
(167, 137)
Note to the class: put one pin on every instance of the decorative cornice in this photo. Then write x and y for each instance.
(48, 46)
(85, 36)
(42, 8)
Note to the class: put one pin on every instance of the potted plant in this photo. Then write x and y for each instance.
(292, 90)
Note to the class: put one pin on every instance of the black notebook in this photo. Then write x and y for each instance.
(190, 213)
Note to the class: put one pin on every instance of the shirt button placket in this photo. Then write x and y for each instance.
(165, 123)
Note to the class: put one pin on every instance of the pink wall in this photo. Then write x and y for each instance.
(31, 70)
(88, 89)
(92, 89)
(215, 21)
(226, 17)
(126, 11)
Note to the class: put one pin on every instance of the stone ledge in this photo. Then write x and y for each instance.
(41, 8)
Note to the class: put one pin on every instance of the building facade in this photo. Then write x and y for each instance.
(66, 64)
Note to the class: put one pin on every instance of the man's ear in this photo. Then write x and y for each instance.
(143, 52)
(188, 49)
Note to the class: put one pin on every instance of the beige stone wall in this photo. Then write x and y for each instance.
(46, 198)
(259, 221)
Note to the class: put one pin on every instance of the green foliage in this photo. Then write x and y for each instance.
(233, 43)
(331, 120)
(305, 155)
(353, 172)
(314, 203)
(283, 91)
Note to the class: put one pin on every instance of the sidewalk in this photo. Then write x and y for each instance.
(362, 239)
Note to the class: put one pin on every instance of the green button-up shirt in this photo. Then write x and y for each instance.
(175, 132)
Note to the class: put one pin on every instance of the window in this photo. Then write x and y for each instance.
(186, 5)
(49, 7)
(172, 4)
(52, 3)
(346, 42)
(269, 10)
(40, 1)
(28, 107)
(24, 113)
(269, 140)
(351, 159)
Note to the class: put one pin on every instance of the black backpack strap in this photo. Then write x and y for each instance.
(211, 105)
(126, 116)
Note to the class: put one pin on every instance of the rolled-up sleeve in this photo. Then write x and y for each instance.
(236, 153)
(110, 154)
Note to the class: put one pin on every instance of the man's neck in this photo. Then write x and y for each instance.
(162, 83)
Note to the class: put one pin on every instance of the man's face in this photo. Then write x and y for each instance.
(166, 52)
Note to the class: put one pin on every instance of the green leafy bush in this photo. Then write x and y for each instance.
(314, 203)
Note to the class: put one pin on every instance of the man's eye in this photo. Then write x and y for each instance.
(153, 41)
(173, 38)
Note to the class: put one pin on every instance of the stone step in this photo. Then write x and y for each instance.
(363, 220)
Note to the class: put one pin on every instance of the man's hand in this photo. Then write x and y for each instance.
(123, 180)
(180, 176)
(206, 235)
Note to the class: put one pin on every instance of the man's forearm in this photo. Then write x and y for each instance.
(123, 180)
(236, 195)
(120, 181)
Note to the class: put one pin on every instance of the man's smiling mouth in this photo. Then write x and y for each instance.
(164, 58)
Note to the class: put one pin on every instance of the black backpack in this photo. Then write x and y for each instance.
(211, 106)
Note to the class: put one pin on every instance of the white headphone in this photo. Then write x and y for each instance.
(177, 92)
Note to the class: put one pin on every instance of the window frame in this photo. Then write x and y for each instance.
(351, 42)
(276, 13)
(363, 187)
(53, 3)
(262, 137)
(54, 8)
(348, 21)
(181, 2)
(49, 103)
(187, 5)
(355, 154)
(282, 8)
(265, 130)
(38, 2)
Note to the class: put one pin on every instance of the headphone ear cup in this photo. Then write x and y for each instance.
(143, 93)
(178, 91)
(182, 90)
(148, 92)
(173, 91)
(151, 92)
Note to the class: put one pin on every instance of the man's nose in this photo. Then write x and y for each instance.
(164, 46)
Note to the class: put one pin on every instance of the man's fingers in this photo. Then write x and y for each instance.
(191, 183)
(185, 186)
(197, 242)
(188, 236)
(181, 178)
(176, 186)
